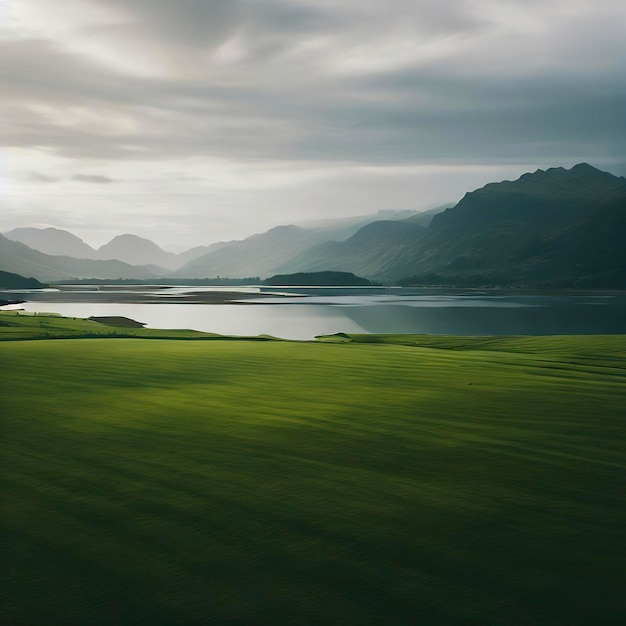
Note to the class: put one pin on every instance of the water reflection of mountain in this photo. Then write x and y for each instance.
(392, 311)
(556, 317)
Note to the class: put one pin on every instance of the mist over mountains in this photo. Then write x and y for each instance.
(556, 227)
(257, 255)
(20, 259)
(53, 241)
(527, 231)
(128, 248)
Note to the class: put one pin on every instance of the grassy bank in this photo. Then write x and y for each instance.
(393, 480)
(19, 325)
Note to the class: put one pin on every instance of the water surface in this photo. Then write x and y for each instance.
(302, 312)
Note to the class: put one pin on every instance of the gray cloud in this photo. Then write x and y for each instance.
(93, 178)
(37, 177)
(331, 83)
(387, 117)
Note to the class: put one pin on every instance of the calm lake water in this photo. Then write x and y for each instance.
(307, 312)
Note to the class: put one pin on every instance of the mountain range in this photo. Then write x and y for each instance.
(257, 255)
(553, 228)
(18, 258)
(128, 248)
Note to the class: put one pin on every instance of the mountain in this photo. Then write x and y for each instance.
(363, 253)
(589, 253)
(18, 258)
(136, 250)
(340, 228)
(198, 251)
(553, 227)
(426, 217)
(52, 241)
(127, 248)
(267, 253)
(9, 280)
(516, 231)
(257, 255)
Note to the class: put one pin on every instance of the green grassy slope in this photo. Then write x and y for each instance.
(166, 482)
(16, 326)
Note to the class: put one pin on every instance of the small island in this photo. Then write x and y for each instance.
(319, 279)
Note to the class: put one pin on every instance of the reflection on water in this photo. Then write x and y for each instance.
(298, 322)
(557, 318)
(376, 311)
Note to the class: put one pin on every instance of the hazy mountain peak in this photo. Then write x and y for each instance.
(137, 251)
(128, 238)
(284, 228)
(17, 257)
(52, 241)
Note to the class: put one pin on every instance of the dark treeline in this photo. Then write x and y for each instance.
(321, 279)
(506, 280)
(250, 280)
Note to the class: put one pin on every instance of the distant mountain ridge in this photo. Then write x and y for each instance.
(513, 232)
(136, 250)
(18, 258)
(53, 241)
(555, 227)
(362, 254)
(267, 253)
(257, 254)
(127, 248)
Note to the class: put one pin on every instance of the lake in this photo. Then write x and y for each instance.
(303, 312)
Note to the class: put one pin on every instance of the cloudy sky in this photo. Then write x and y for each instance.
(192, 121)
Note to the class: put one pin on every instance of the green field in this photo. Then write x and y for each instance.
(384, 480)
(16, 326)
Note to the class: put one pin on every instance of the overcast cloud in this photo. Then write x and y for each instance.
(216, 119)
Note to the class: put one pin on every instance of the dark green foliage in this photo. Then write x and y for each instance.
(405, 480)
(218, 280)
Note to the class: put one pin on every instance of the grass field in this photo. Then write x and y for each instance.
(388, 480)
(16, 326)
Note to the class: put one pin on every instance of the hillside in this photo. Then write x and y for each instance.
(270, 252)
(387, 479)
(531, 231)
(550, 228)
(257, 255)
(9, 280)
(136, 250)
(363, 253)
(20, 259)
(52, 241)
